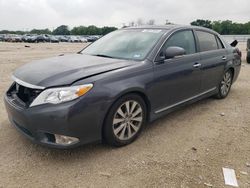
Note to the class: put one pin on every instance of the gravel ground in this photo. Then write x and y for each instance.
(186, 148)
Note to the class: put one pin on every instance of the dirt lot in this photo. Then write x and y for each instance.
(187, 148)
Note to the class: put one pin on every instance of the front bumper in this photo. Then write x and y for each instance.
(79, 119)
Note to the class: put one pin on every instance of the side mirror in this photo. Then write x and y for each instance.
(174, 51)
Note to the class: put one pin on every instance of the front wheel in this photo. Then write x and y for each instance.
(125, 120)
(225, 85)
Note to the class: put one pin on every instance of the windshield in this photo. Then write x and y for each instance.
(125, 44)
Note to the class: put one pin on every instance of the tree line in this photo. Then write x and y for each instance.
(226, 27)
(64, 30)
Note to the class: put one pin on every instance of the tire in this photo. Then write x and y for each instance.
(122, 127)
(248, 43)
(248, 57)
(225, 85)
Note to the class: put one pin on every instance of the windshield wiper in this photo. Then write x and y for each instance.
(102, 55)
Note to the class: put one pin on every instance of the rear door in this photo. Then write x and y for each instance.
(213, 59)
(179, 78)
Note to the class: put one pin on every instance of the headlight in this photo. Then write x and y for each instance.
(60, 95)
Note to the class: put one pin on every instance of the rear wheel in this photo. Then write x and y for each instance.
(125, 120)
(225, 85)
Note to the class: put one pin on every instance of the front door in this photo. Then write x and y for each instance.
(178, 79)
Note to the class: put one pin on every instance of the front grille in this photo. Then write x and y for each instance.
(23, 94)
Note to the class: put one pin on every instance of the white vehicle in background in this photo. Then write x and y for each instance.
(78, 39)
(83, 39)
(74, 39)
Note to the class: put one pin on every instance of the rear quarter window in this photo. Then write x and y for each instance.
(220, 44)
(207, 41)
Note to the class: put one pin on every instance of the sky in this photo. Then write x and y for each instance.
(29, 14)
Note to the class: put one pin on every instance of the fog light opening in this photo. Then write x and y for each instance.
(65, 140)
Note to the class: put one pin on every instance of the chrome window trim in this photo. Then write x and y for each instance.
(20, 82)
(186, 100)
(193, 30)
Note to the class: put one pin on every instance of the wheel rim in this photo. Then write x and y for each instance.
(127, 120)
(226, 83)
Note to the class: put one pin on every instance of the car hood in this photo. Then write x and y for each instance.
(64, 70)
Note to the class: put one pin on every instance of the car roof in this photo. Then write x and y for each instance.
(166, 27)
(171, 27)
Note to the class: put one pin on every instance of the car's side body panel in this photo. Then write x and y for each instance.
(234, 62)
(175, 80)
(212, 67)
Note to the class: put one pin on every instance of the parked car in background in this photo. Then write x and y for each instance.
(16, 38)
(33, 38)
(74, 39)
(43, 38)
(1, 38)
(11, 38)
(7, 38)
(92, 38)
(53, 39)
(25, 37)
(82, 39)
(29, 38)
(110, 89)
(248, 50)
(62, 38)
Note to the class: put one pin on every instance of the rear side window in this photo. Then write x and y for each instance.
(183, 39)
(207, 41)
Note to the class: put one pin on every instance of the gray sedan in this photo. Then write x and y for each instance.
(113, 87)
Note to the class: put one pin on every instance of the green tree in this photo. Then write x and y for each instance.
(202, 23)
(106, 30)
(91, 30)
(12, 32)
(217, 26)
(226, 27)
(81, 30)
(62, 30)
(40, 31)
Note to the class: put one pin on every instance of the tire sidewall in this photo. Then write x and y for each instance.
(108, 132)
(220, 93)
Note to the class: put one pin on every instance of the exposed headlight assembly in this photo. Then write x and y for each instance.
(60, 95)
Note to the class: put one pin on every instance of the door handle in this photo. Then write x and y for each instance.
(224, 58)
(196, 65)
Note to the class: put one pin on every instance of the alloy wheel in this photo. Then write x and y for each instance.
(127, 120)
(226, 83)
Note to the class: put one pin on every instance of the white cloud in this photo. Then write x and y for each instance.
(28, 14)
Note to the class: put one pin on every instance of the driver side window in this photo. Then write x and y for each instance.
(184, 39)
